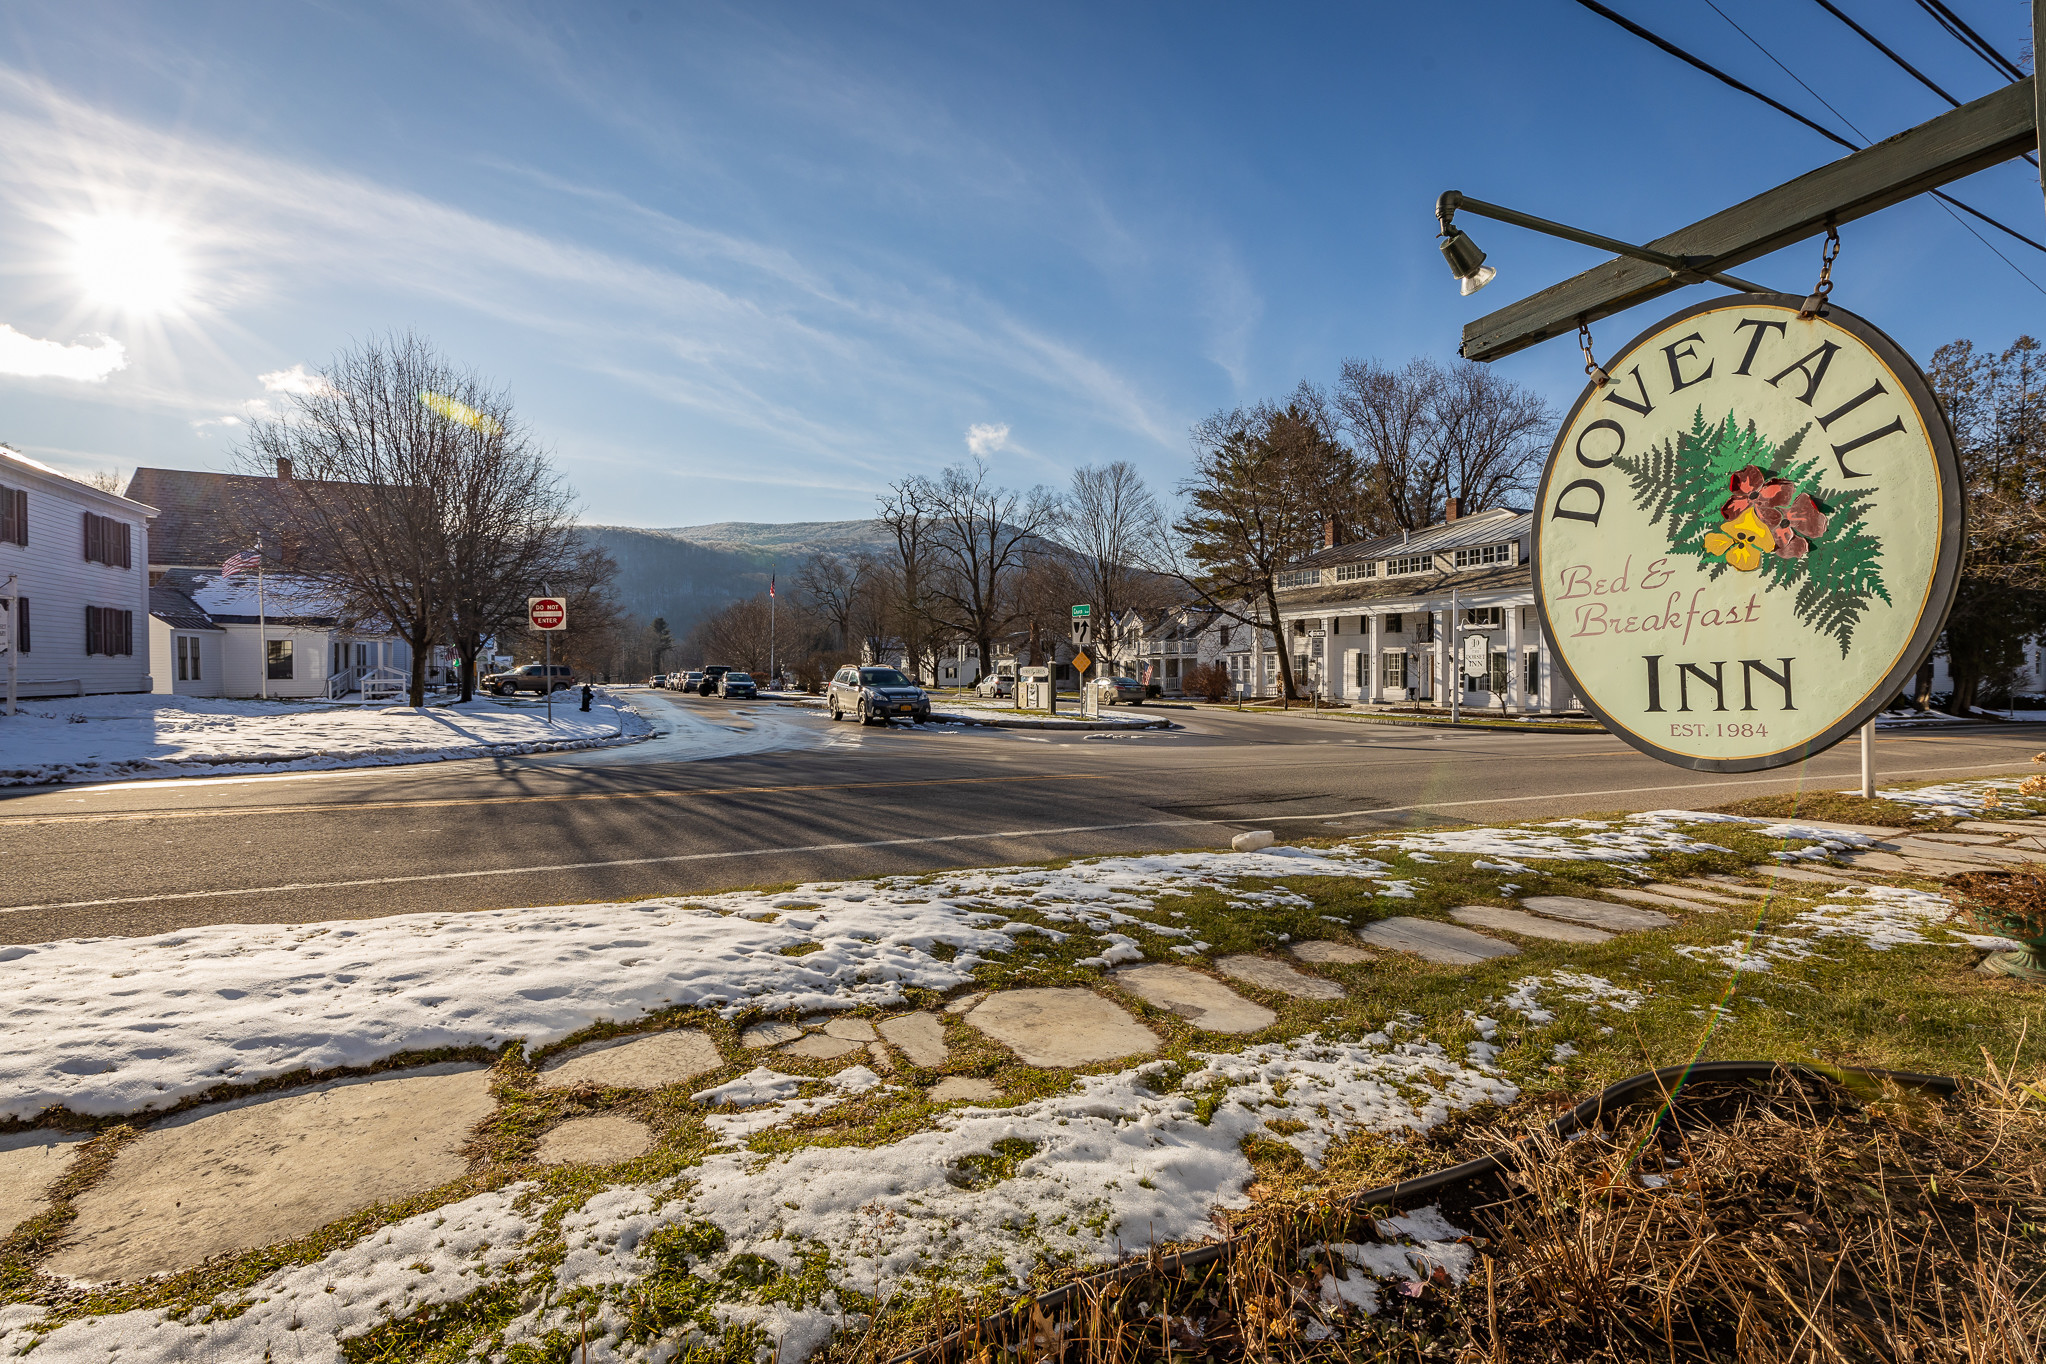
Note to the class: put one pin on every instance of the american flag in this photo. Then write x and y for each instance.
(770, 584)
(240, 563)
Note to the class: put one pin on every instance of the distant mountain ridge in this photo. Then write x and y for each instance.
(789, 538)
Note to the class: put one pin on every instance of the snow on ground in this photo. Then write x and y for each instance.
(1108, 1166)
(101, 738)
(1878, 917)
(1636, 838)
(1958, 797)
(117, 1025)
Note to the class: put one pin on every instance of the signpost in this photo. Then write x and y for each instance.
(547, 614)
(1083, 635)
(1748, 540)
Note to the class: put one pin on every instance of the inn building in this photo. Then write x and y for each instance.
(1390, 620)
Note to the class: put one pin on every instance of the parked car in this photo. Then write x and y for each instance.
(711, 673)
(876, 695)
(656, 679)
(687, 682)
(996, 684)
(737, 684)
(536, 678)
(1114, 689)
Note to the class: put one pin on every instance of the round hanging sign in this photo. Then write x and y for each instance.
(1747, 541)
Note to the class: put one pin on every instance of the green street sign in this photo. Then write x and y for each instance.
(1083, 609)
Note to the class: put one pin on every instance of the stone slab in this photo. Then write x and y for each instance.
(965, 1002)
(649, 1062)
(271, 1168)
(1872, 830)
(1641, 895)
(1809, 874)
(851, 1029)
(769, 1035)
(963, 1089)
(919, 1036)
(1926, 847)
(1956, 836)
(2003, 826)
(1435, 941)
(1597, 913)
(1253, 840)
(884, 1062)
(1695, 894)
(820, 1047)
(1875, 861)
(1325, 953)
(30, 1162)
(600, 1139)
(1528, 925)
(1267, 974)
(1201, 1000)
(1061, 1027)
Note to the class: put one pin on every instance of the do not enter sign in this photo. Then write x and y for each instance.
(547, 613)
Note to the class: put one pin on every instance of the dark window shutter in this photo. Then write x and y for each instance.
(91, 536)
(127, 536)
(21, 517)
(127, 648)
(91, 628)
(8, 534)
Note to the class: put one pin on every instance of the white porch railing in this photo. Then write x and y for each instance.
(383, 684)
(343, 682)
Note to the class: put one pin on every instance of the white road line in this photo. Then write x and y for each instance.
(1615, 791)
(589, 866)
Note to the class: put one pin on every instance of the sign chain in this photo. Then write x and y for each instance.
(1591, 365)
(1829, 253)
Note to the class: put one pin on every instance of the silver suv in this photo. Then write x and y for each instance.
(533, 678)
(876, 695)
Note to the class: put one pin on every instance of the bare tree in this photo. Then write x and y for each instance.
(981, 537)
(1265, 482)
(1108, 517)
(832, 585)
(908, 510)
(1427, 433)
(365, 457)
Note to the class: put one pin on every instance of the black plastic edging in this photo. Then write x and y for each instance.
(1620, 1094)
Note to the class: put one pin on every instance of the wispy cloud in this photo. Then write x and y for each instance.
(33, 358)
(297, 379)
(985, 439)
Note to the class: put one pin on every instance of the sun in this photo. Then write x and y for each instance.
(129, 264)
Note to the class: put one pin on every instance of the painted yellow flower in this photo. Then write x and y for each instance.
(1742, 541)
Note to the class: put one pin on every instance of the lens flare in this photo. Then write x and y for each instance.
(463, 413)
(129, 264)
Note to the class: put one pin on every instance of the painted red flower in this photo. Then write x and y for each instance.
(1796, 526)
(1752, 487)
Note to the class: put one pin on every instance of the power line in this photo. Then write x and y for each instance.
(1884, 48)
(1948, 204)
(1970, 39)
(1624, 22)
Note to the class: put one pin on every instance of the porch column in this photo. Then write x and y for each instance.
(1371, 664)
(1515, 691)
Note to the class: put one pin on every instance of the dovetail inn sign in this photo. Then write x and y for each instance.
(1747, 542)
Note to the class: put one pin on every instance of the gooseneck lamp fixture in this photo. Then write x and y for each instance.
(1467, 262)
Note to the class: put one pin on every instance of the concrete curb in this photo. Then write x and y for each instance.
(954, 717)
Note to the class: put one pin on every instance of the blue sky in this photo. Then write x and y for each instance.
(754, 262)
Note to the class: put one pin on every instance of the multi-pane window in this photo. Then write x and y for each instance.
(109, 630)
(188, 658)
(1531, 673)
(1395, 623)
(1393, 673)
(1300, 577)
(277, 657)
(1497, 683)
(106, 541)
(1483, 615)
(13, 516)
(1409, 563)
(1349, 573)
(1478, 555)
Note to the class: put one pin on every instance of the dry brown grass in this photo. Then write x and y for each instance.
(1799, 1222)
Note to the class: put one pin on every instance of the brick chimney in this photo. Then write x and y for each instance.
(1452, 511)
(1331, 535)
(284, 467)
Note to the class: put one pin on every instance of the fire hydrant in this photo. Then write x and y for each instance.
(587, 693)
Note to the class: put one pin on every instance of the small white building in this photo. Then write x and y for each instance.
(78, 558)
(206, 634)
(1391, 619)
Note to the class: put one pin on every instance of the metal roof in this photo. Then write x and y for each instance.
(1481, 528)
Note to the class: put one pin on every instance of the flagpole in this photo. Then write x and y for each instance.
(770, 629)
(262, 627)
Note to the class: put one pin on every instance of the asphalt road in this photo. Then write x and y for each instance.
(817, 801)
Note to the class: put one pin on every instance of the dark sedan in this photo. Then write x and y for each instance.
(737, 684)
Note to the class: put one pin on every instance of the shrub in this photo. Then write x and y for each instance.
(1210, 682)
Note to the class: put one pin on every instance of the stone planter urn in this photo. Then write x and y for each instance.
(2011, 904)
